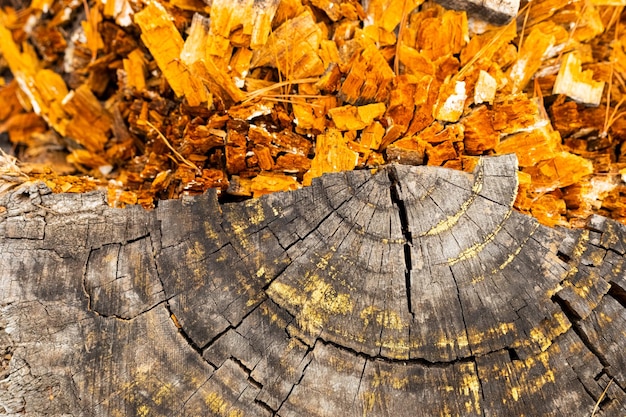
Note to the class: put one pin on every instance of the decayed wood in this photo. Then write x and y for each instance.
(410, 291)
(158, 99)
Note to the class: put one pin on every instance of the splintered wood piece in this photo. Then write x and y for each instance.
(451, 101)
(293, 49)
(336, 9)
(88, 159)
(489, 44)
(415, 62)
(44, 88)
(576, 83)
(219, 83)
(23, 128)
(120, 10)
(549, 209)
(252, 18)
(410, 151)
(529, 58)
(266, 183)
(387, 14)
(498, 12)
(260, 25)
(90, 27)
(195, 46)
(369, 75)
(10, 103)
(515, 113)
(441, 153)
(561, 171)
(401, 107)
(531, 147)
(135, 69)
(485, 88)
(225, 18)
(412, 288)
(451, 35)
(372, 136)
(356, 117)
(309, 115)
(90, 123)
(332, 154)
(165, 43)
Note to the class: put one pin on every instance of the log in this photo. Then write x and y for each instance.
(408, 291)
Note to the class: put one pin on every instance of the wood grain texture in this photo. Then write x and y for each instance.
(409, 291)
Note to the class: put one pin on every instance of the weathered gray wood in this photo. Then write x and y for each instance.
(410, 291)
(498, 12)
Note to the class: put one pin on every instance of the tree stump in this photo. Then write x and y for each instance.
(412, 291)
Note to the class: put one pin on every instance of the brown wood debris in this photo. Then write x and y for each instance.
(155, 99)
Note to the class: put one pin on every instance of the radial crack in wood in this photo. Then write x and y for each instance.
(367, 293)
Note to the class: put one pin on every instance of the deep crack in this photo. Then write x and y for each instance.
(574, 319)
(406, 232)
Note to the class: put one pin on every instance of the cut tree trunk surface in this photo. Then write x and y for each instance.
(412, 291)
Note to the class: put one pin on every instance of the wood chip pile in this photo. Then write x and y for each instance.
(154, 99)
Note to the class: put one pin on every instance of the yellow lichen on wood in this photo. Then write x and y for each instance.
(316, 302)
(166, 44)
